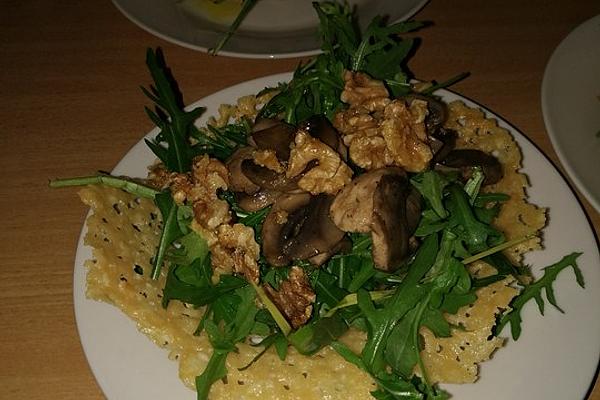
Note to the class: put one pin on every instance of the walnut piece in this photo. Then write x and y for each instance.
(379, 131)
(236, 251)
(294, 297)
(330, 174)
(232, 246)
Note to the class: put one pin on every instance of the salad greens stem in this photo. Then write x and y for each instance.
(273, 310)
(246, 7)
(445, 84)
(125, 184)
(496, 249)
(352, 299)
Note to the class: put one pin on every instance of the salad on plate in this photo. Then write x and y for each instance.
(346, 234)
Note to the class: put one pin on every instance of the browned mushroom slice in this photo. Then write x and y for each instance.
(276, 227)
(466, 159)
(352, 209)
(438, 112)
(256, 201)
(389, 228)
(314, 232)
(320, 128)
(298, 227)
(269, 179)
(238, 182)
(442, 142)
(276, 136)
(381, 202)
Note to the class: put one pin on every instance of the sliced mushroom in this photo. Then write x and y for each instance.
(438, 112)
(277, 135)
(381, 202)
(269, 179)
(466, 159)
(317, 234)
(320, 128)
(352, 209)
(238, 181)
(277, 224)
(299, 228)
(442, 142)
(256, 201)
(389, 226)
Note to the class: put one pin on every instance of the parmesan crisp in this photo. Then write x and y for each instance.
(123, 232)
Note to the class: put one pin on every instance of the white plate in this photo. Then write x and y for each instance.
(555, 358)
(272, 29)
(571, 106)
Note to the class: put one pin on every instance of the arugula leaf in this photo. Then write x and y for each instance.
(431, 185)
(316, 86)
(339, 30)
(382, 321)
(314, 90)
(348, 354)
(393, 387)
(177, 289)
(224, 339)
(474, 183)
(313, 336)
(381, 50)
(170, 229)
(221, 142)
(173, 145)
(476, 235)
(402, 349)
(277, 340)
(191, 247)
(214, 371)
(174, 122)
(534, 291)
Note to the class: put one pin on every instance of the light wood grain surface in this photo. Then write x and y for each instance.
(70, 104)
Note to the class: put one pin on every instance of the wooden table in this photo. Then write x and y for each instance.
(70, 104)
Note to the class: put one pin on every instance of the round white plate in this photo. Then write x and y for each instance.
(571, 106)
(272, 29)
(555, 358)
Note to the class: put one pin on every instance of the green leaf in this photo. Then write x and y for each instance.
(476, 235)
(191, 247)
(474, 183)
(431, 185)
(534, 291)
(435, 321)
(170, 229)
(393, 387)
(224, 338)
(408, 294)
(176, 289)
(313, 336)
(402, 349)
(172, 145)
(381, 49)
(348, 354)
(214, 371)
